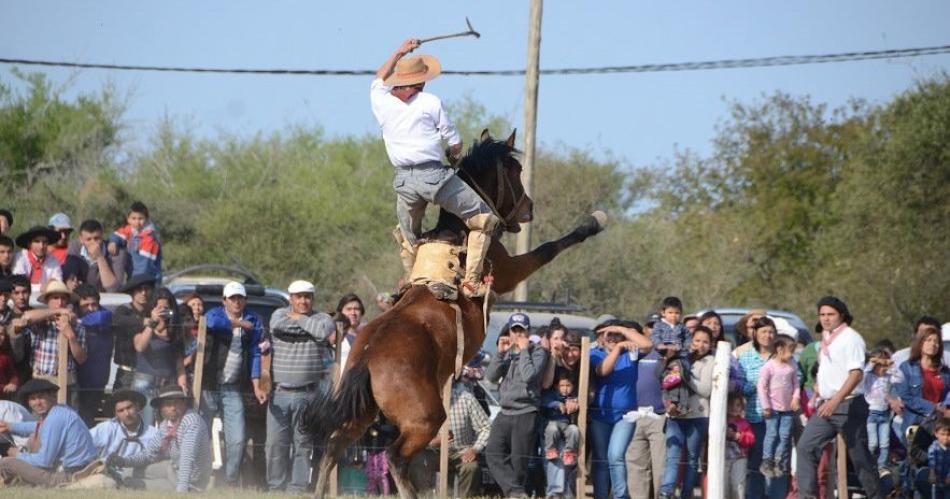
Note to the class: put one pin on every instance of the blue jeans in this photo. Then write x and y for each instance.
(757, 486)
(689, 434)
(879, 435)
(146, 385)
(608, 468)
(288, 449)
(228, 403)
(778, 434)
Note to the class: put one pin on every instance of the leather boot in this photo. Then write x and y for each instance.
(481, 226)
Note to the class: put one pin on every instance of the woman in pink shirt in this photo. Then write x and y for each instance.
(779, 393)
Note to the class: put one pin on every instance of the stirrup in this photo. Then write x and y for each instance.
(474, 290)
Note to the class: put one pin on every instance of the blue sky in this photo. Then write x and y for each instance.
(636, 118)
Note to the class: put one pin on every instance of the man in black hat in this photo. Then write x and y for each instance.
(182, 438)
(58, 438)
(128, 321)
(34, 261)
(843, 409)
(125, 434)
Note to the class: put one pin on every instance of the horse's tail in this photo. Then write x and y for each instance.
(330, 411)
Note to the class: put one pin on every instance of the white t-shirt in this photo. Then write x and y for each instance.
(845, 354)
(412, 131)
(11, 412)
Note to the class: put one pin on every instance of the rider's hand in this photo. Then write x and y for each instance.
(408, 46)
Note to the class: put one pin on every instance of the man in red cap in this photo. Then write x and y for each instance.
(414, 125)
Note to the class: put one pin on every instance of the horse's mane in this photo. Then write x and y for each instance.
(483, 154)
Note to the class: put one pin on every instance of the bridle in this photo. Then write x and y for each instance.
(509, 221)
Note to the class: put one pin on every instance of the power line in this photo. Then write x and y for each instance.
(787, 60)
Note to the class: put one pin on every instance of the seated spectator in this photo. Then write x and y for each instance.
(105, 272)
(127, 322)
(470, 428)
(615, 394)
(7, 254)
(235, 357)
(140, 239)
(182, 439)
(58, 438)
(94, 373)
(301, 340)
(560, 416)
(925, 379)
(41, 336)
(63, 226)
(517, 367)
(6, 221)
(125, 434)
(12, 412)
(34, 261)
(74, 272)
(158, 351)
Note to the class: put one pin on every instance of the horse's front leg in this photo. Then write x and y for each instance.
(510, 270)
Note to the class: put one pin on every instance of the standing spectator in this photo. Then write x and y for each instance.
(158, 351)
(744, 331)
(671, 339)
(925, 379)
(140, 239)
(843, 410)
(739, 439)
(43, 332)
(690, 322)
(938, 459)
(877, 388)
(127, 322)
(63, 226)
(125, 434)
(301, 340)
(59, 439)
(6, 221)
(688, 431)
(349, 311)
(646, 454)
(9, 379)
(556, 345)
(34, 261)
(713, 321)
(236, 356)
(751, 362)
(779, 396)
(7, 254)
(105, 272)
(94, 373)
(615, 384)
(21, 314)
(192, 309)
(74, 271)
(182, 438)
(517, 367)
(470, 428)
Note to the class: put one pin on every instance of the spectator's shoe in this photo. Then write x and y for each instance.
(569, 458)
(778, 470)
(767, 468)
(550, 454)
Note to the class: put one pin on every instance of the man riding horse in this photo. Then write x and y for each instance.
(414, 125)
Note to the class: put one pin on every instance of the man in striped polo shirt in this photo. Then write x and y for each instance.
(301, 339)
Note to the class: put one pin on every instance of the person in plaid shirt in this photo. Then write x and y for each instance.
(43, 338)
(468, 432)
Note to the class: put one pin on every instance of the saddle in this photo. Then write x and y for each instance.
(438, 266)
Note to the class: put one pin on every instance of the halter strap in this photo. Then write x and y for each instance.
(503, 183)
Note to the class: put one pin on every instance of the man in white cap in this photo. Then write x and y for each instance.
(63, 226)
(234, 343)
(301, 340)
(414, 125)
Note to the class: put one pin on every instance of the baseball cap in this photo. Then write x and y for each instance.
(234, 288)
(60, 221)
(783, 327)
(301, 287)
(520, 320)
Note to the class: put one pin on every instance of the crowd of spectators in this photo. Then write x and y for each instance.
(648, 400)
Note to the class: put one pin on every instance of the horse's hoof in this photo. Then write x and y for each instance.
(601, 218)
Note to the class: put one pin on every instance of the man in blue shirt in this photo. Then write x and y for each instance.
(125, 434)
(59, 437)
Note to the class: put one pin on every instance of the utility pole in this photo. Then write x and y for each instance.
(530, 125)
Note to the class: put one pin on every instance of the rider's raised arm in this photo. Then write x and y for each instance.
(387, 68)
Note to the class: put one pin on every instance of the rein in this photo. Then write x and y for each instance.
(503, 183)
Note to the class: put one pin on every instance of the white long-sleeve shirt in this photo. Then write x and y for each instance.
(412, 131)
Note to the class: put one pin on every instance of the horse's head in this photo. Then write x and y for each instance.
(493, 170)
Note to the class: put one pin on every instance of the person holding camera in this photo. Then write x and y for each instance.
(159, 348)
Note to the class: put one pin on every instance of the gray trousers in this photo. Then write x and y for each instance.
(735, 478)
(557, 431)
(646, 458)
(14, 471)
(850, 420)
(419, 185)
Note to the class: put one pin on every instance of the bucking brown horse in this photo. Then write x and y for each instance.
(400, 360)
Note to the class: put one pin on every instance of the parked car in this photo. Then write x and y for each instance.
(730, 316)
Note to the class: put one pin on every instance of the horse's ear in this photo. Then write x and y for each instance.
(486, 136)
(511, 139)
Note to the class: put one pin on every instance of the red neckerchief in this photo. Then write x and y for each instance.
(33, 443)
(827, 338)
(36, 267)
(170, 436)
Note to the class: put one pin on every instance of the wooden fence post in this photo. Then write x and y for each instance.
(336, 374)
(62, 366)
(716, 454)
(842, 477)
(199, 363)
(582, 396)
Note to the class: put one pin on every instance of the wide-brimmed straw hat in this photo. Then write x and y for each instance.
(24, 239)
(55, 287)
(413, 70)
